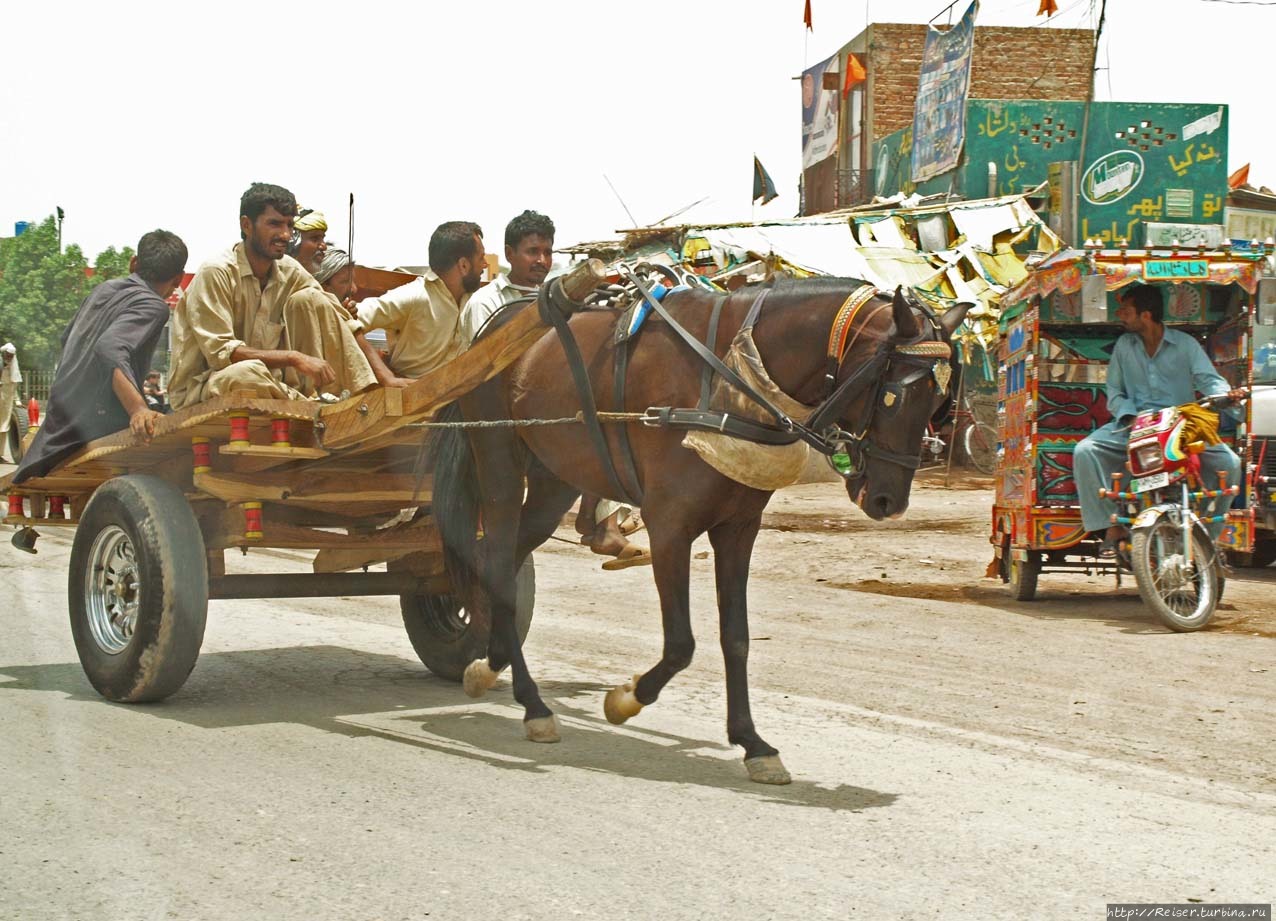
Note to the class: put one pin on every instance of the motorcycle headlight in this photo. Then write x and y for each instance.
(1147, 457)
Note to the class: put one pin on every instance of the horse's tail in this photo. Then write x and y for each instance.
(455, 502)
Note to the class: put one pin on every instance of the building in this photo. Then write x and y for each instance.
(1006, 64)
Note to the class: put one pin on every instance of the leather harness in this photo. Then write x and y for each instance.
(820, 431)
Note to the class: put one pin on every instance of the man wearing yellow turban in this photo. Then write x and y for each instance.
(308, 244)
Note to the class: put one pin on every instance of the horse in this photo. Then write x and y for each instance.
(875, 379)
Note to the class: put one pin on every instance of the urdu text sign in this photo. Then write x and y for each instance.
(1176, 269)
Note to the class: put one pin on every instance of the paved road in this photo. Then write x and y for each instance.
(954, 757)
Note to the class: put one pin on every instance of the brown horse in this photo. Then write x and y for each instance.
(882, 389)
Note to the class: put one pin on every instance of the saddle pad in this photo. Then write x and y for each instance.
(767, 467)
(636, 314)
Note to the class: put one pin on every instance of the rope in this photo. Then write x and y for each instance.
(577, 419)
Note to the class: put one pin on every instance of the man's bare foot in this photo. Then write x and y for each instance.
(585, 524)
(607, 539)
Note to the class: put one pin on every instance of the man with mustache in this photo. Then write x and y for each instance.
(253, 319)
(529, 249)
(308, 243)
(425, 314)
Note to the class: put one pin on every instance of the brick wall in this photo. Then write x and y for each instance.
(1008, 63)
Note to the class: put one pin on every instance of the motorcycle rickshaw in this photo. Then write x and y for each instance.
(1056, 333)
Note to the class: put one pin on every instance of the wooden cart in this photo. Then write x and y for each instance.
(153, 521)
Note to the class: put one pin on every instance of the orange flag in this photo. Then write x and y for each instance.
(1048, 8)
(1238, 178)
(806, 17)
(855, 73)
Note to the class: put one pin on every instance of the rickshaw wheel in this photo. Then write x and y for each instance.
(138, 589)
(448, 636)
(1023, 574)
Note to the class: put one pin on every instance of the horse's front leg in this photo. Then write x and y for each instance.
(671, 566)
(732, 550)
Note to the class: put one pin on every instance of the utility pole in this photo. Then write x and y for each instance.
(61, 215)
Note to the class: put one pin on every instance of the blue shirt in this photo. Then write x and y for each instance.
(1173, 376)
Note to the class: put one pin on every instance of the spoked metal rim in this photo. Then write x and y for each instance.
(112, 590)
(1185, 591)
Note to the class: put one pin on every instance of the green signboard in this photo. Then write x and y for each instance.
(1172, 269)
(1144, 162)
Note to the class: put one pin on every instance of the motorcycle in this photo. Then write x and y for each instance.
(1179, 570)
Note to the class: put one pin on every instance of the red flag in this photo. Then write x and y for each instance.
(806, 17)
(855, 73)
(1238, 178)
(1048, 8)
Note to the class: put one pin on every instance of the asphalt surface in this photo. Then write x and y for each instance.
(955, 754)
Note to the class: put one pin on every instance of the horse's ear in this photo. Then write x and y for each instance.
(954, 315)
(905, 323)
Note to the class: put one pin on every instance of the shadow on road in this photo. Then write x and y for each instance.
(362, 694)
(1121, 608)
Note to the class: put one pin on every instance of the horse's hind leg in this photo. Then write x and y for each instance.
(548, 499)
(732, 549)
(671, 565)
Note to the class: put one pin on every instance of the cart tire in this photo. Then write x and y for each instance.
(1023, 575)
(1181, 610)
(448, 637)
(18, 427)
(1262, 556)
(980, 444)
(138, 587)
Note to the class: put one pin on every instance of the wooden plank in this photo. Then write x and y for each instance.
(346, 560)
(326, 489)
(273, 451)
(224, 527)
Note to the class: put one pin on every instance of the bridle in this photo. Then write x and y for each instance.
(920, 354)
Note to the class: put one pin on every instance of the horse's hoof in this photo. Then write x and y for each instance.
(767, 769)
(620, 703)
(542, 729)
(478, 678)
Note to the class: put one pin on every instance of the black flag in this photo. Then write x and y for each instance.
(763, 187)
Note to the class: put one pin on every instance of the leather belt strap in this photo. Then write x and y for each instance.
(841, 328)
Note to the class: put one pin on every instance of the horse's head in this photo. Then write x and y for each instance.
(884, 426)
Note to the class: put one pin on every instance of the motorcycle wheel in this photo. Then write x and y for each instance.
(1184, 601)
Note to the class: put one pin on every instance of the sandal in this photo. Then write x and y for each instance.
(632, 555)
(633, 523)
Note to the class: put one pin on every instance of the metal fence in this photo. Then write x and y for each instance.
(36, 383)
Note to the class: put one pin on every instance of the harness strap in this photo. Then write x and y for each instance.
(557, 316)
(621, 363)
(842, 327)
(711, 340)
(708, 356)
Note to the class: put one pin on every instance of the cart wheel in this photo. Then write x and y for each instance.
(1263, 555)
(447, 637)
(138, 589)
(1023, 575)
(18, 426)
(980, 442)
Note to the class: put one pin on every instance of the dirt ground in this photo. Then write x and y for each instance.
(956, 753)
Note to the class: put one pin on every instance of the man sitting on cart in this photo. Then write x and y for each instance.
(106, 350)
(425, 314)
(254, 320)
(1152, 367)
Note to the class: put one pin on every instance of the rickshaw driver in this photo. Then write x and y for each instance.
(1152, 367)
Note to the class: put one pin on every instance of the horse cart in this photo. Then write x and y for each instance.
(153, 521)
(1057, 332)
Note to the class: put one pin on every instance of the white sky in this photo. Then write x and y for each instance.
(134, 115)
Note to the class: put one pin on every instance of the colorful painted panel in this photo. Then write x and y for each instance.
(1057, 533)
(1055, 485)
(1071, 409)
